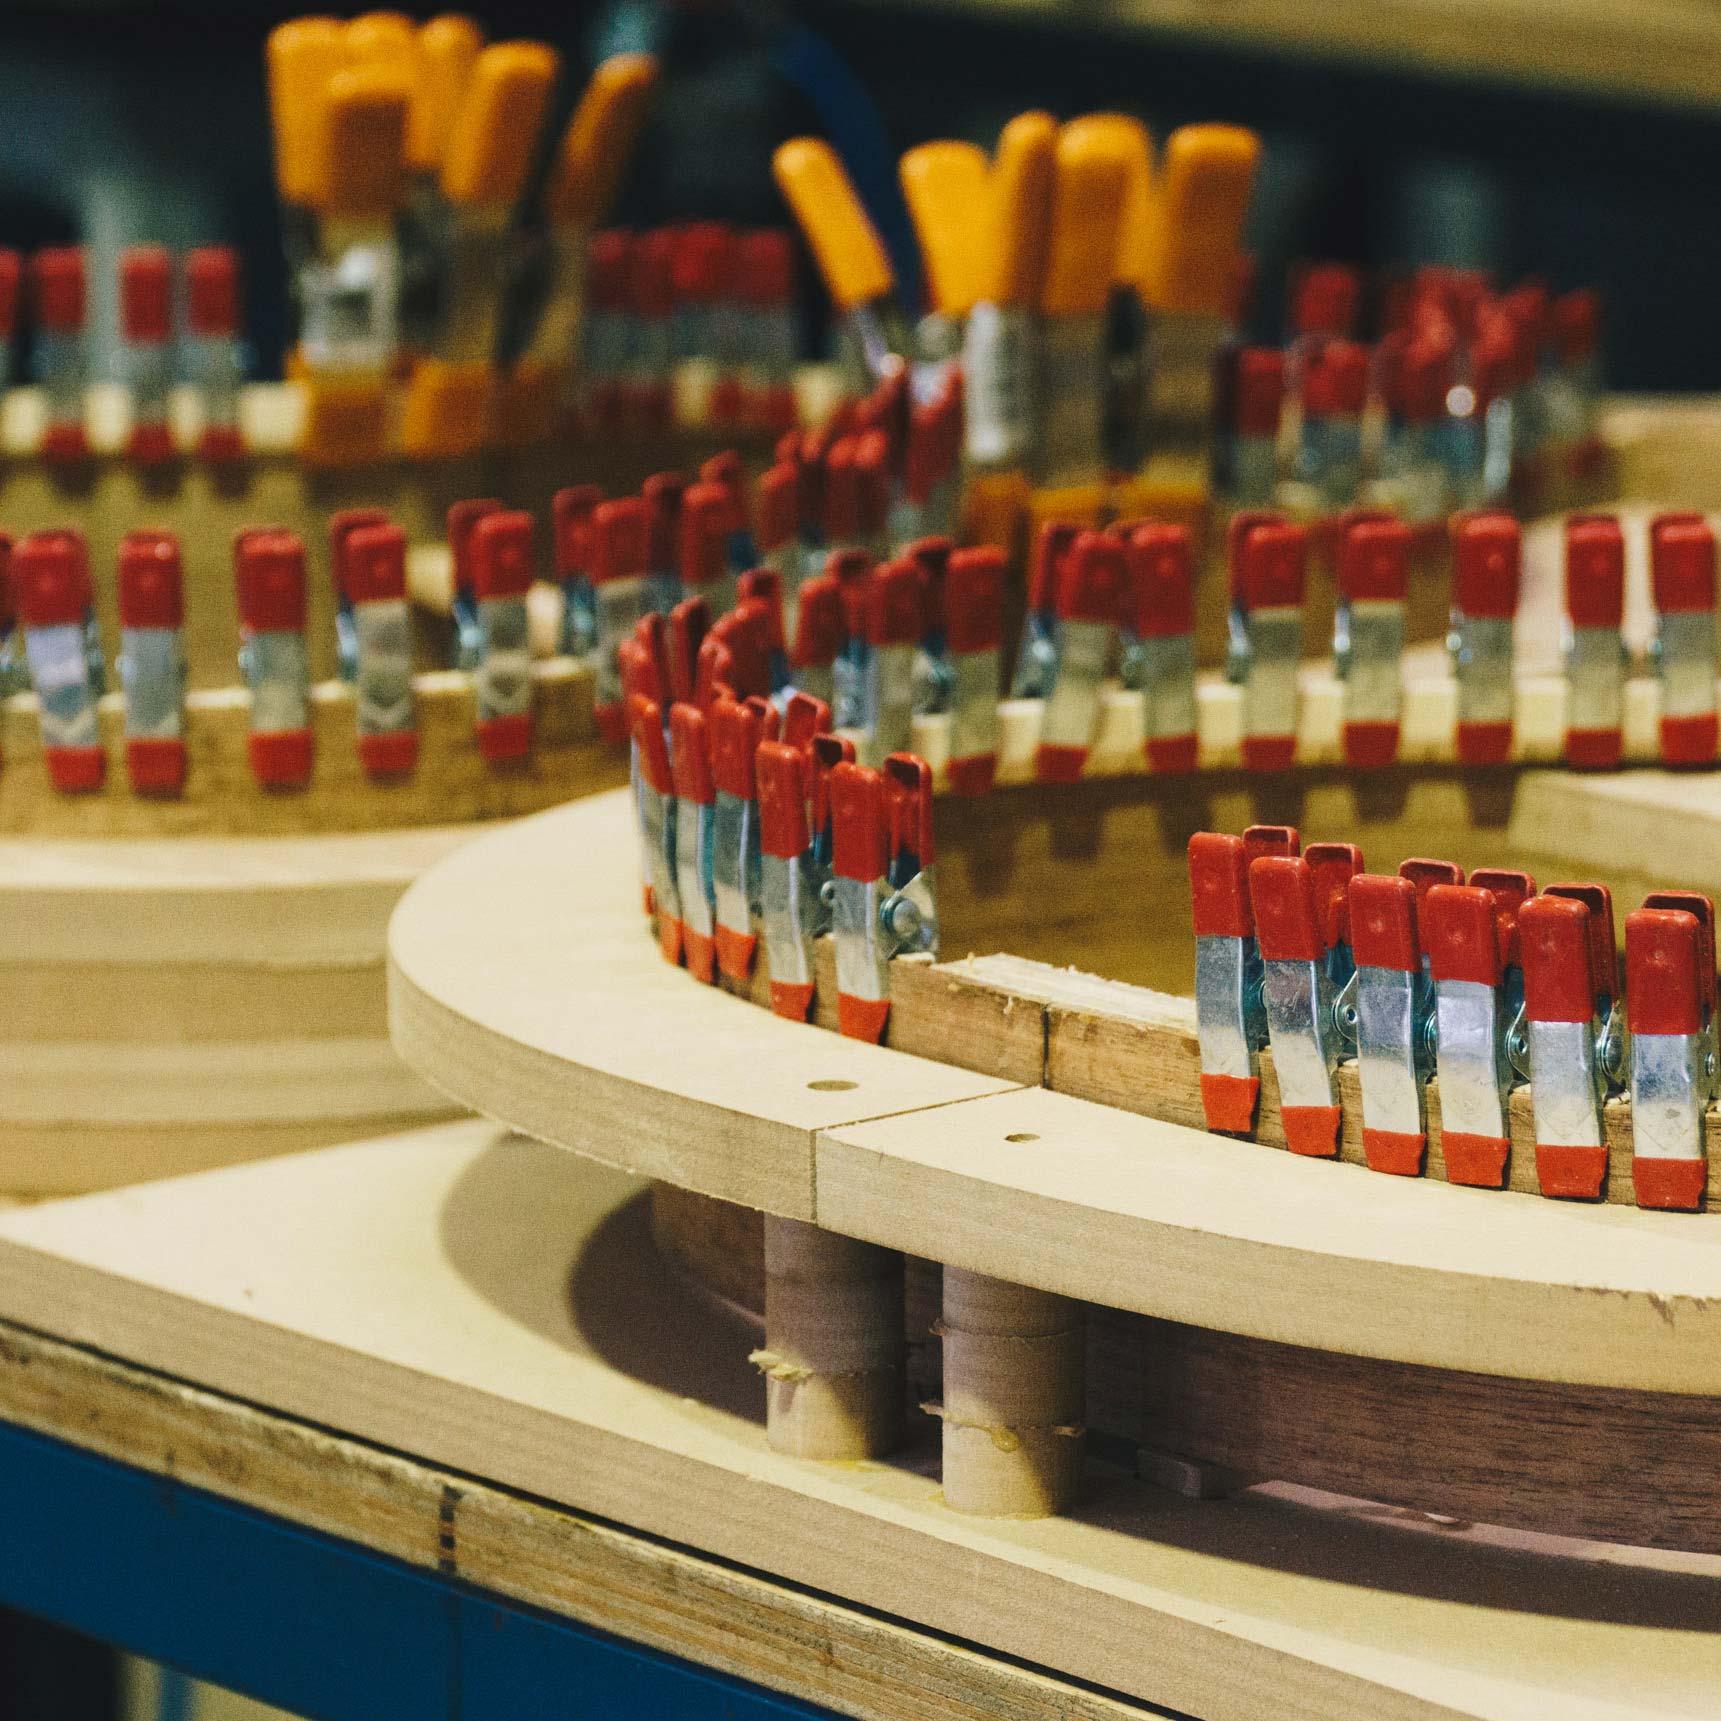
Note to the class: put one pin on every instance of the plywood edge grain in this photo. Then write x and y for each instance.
(745, 1623)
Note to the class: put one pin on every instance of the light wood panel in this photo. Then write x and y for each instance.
(493, 1309)
(580, 1033)
(552, 1010)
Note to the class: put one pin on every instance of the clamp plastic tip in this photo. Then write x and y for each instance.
(1484, 743)
(1595, 571)
(1228, 1102)
(1271, 564)
(221, 444)
(1555, 943)
(671, 935)
(1326, 300)
(1383, 923)
(1171, 755)
(1675, 1184)
(1335, 384)
(1219, 886)
(146, 295)
(1689, 740)
(212, 290)
(501, 740)
(1258, 391)
(862, 1018)
(1287, 912)
(1594, 749)
(1312, 1130)
(57, 277)
(791, 1000)
(1477, 1161)
(690, 753)
(1682, 562)
(699, 952)
(1461, 932)
(1571, 1173)
(1053, 764)
(849, 252)
(281, 758)
(1333, 866)
(1392, 1151)
(76, 770)
(150, 445)
(50, 579)
(1370, 746)
(617, 541)
(1487, 551)
(974, 600)
(269, 572)
(502, 563)
(1663, 959)
(392, 755)
(155, 765)
(735, 952)
(893, 605)
(972, 776)
(860, 847)
(1374, 560)
(151, 584)
(1161, 561)
(372, 563)
(1269, 752)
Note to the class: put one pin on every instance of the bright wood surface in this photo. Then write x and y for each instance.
(1664, 51)
(551, 1009)
(492, 1309)
(523, 982)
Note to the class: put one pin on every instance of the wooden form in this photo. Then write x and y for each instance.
(527, 1015)
(492, 1312)
(186, 1002)
(451, 783)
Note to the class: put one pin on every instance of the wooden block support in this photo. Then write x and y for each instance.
(1013, 1397)
(833, 1352)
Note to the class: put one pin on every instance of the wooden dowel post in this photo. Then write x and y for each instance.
(1013, 1397)
(833, 1353)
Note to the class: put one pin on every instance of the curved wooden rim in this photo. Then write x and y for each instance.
(523, 982)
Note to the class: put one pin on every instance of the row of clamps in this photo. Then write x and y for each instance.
(754, 818)
(1480, 984)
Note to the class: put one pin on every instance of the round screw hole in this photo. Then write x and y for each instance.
(1022, 1135)
(834, 1086)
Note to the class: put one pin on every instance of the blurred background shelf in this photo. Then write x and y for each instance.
(1664, 51)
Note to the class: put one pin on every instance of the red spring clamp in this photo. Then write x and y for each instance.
(1298, 990)
(1230, 1015)
(819, 635)
(974, 634)
(695, 809)
(1089, 602)
(1486, 554)
(1162, 605)
(734, 732)
(1595, 660)
(269, 573)
(1268, 563)
(502, 569)
(1574, 1044)
(1374, 575)
(1391, 1012)
(50, 574)
(152, 661)
(372, 564)
(654, 788)
(1682, 571)
(1670, 1007)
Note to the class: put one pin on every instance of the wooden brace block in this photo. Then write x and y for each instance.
(833, 1352)
(1013, 1397)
